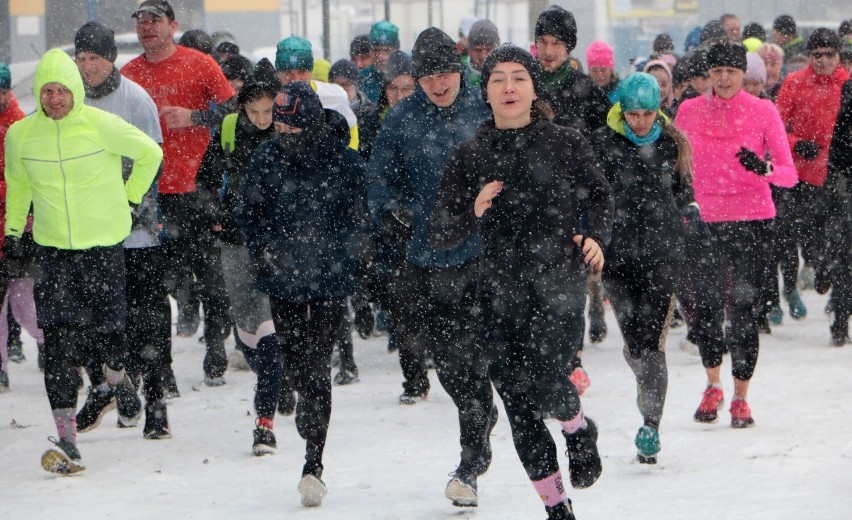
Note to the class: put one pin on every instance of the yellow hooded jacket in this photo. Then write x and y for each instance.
(70, 169)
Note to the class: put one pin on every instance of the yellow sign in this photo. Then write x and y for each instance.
(229, 6)
(26, 8)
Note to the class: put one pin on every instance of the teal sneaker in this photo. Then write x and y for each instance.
(797, 308)
(775, 315)
(648, 443)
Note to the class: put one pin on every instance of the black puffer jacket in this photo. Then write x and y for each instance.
(552, 186)
(576, 100)
(649, 200)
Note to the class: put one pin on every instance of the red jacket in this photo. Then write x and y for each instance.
(808, 104)
(12, 113)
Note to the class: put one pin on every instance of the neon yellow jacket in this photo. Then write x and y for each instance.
(70, 169)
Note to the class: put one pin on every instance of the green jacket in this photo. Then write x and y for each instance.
(70, 169)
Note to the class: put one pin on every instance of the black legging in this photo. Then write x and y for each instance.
(434, 308)
(307, 332)
(530, 331)
(732, 265)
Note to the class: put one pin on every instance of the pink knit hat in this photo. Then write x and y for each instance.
(599, 54)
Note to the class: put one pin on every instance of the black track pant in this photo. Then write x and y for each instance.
(531, 332)
(734, 261)
(191, 245)
(307, 332)
(266, 361)
(433, 308)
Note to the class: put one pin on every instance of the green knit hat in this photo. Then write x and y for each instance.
(384, 34)
(639, 91)
(5, 77)
(294, 53)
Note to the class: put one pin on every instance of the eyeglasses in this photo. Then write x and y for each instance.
(825, 54)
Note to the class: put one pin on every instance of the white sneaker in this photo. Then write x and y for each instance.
(312, 490)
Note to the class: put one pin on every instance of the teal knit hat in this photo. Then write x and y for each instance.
(294, 53)
(5, 77)
(385, 34)
(639, 91)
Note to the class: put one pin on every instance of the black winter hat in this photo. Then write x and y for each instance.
(344, 69)
(262, 79)
(435, 52)
(399, 64)
(754, 30)
(559, 23)
(785, 24)
(508, 53)
(680, 72)
(697, 62)
(713, 31)
(663, 44)
(727, 54)
(297, 105)
(845, 28)
(824, 37)
(236, 67)
(198, 40)
(97, 39)
(360, 46)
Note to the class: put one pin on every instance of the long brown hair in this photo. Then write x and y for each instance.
(683, 165)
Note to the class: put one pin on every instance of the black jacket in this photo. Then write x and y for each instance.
(840, 151)
(650, 197)
(576, 100)
(553, 189)
(302, 218)
(219, 176)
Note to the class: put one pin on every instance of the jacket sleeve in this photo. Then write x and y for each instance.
(840, 151)
(209, 181)
(786, 105)
(597, 109)
(594, 193)
(382, 173)
(18, 189)
(253, 194)
(784, 171)
(126, 140)
(452, 220)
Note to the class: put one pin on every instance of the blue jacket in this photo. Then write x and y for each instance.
(301, 219)
(408, 162)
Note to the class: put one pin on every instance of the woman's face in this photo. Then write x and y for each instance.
(400, 88)
(753, 87)
(259, 112)
(773, 69)
(640, 121)
(665, 85)
(726, 81)
(601, 75)
(511, 94)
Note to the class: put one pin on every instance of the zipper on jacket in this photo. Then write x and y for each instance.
(64, 184)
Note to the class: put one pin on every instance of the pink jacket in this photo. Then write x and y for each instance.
(717, 128)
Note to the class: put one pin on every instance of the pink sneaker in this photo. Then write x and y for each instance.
(580, 379)
(711, 403)
(741, 414)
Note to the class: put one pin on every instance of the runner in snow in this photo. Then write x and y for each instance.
(65, 160)
(525, 185)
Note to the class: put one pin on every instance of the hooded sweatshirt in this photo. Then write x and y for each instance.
(717, 128)
(70, 169)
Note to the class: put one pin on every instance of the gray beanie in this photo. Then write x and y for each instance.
(483, 33)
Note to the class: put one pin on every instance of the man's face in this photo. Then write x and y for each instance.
(291, 76)
(56, 100)
(155, 32)
(94, 69)
(824, 60)
(780, 38)
(733, 29)
(441, 89)
(726, 81)
(380, 55)
(5, 99)
(552, 52)
(478, 54)
(362, 61)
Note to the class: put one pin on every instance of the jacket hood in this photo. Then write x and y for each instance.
(57, 67)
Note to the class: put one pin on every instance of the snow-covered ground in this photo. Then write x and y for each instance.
(386, 461)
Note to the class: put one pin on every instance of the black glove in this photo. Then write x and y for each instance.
(807, 149)
(398, 224)
(694, 227)
(752, 162)
(364, 320)
(13, 254)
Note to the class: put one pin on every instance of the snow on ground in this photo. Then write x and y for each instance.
(385, 461)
